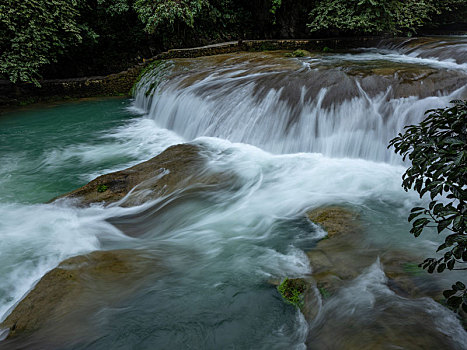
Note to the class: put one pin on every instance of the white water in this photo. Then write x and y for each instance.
(228, 243)
(225, 103)
(368, 304)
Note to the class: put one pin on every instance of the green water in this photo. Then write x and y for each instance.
(34, 143)
(211, 256)
(48, 151)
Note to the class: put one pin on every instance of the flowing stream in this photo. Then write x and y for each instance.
(295, 134)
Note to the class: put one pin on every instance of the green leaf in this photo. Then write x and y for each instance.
(454, 302)
(417, 209)
(437, 208)
(442, 225)
(441, 247)
(413, 216)
(421, 222)
(449, 293)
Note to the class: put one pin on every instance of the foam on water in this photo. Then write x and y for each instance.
(373, 55)
(138, 140)
(221, 246)
(35, 238)
(339, 115)
(360, 311)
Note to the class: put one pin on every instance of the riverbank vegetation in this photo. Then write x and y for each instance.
(63, 39)
(437, 149)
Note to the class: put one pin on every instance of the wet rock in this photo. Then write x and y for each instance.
(345, 254)
(177, 167)
(68, 294)
(335, 220)
(384, 326)
(299, 53)
(355, 315)
(293, 290)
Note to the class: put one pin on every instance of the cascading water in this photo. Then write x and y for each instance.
(294, 135)
(347, 105)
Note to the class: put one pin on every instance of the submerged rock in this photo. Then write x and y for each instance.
(293, 290)
(365, 313)
(335, 220)
(345, 254)
(67, 295)
(177, 167)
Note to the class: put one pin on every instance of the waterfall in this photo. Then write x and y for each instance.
(340, 105)
(281, 136)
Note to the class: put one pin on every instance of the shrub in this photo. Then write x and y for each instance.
(437, 149)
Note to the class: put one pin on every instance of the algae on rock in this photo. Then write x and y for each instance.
(293, 290)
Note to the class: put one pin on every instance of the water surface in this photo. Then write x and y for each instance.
(296, 134)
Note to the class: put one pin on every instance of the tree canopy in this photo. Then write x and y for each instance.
(34, 33)
(103, 36)
(380, 16)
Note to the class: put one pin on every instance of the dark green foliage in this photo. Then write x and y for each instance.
(163, 13)
(381, 16)
(324, 293)
(113, 39)
(62, 39)
(102, 188)
(456, 296)
(292, 290)
(33, 33)
(437, 149)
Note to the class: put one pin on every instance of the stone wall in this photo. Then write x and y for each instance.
(120, 84)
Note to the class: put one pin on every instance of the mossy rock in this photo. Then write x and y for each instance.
(178, 167)
(301, 53)
(68, 294)
(346, 254)
(293, 290)
(335, 220)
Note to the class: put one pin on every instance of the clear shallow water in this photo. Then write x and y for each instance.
(215, 252)
(46, 152)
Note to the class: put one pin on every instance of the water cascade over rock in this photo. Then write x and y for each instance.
(240, 170)
(341, 105)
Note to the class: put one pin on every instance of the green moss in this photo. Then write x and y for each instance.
(301, 53)
(327, 49)
(264, 46)
(324, 293)
(412, 269)
(155, 73)
(143, 72)
(102, 188)
(292, 290)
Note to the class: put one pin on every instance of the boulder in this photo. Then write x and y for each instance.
(335, 220)
(176, 168)
(383, 323)
(67, 295)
